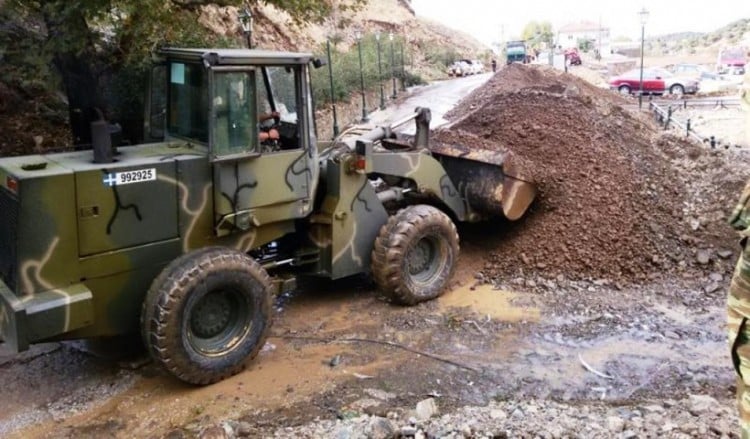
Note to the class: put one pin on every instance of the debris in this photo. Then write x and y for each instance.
(592, 370)
(335, 361)
(362, 376)
(426, 409)
(703, 257)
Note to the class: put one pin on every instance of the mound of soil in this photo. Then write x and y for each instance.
(610, 205)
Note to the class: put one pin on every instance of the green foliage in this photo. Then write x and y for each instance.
(315, 11)
(346, 69)
(440, 55)
(537, 32)
(585, 44)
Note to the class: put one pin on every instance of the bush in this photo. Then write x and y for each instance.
(346, 69)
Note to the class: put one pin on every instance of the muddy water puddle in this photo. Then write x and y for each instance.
(488, 302)
(319, 360)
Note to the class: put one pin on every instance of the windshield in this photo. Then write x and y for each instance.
(283, 86)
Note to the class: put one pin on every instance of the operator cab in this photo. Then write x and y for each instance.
(218, 97)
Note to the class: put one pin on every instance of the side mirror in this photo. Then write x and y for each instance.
(319, 62)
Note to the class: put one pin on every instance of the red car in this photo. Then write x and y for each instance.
(655, 81)
(573, 57)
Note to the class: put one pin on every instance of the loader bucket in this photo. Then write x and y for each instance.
(492, 182)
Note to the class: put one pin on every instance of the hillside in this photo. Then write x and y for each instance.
(33, 104)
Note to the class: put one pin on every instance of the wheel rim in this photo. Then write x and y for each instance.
(677, 90)
(624, 90)
(218, 321)
(425, 259)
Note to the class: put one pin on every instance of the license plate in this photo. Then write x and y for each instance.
(130, 177)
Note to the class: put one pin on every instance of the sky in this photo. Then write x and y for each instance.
(496, 20)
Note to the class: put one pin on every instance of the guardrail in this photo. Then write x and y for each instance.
(665, 117)
(716, 102)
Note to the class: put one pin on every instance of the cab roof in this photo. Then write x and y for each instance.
(231, 57)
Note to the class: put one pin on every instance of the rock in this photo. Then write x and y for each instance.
(525, 259)
(426, 409)
(517, 414)
(343, 432)
(628, 434)
(615, 424)
(335, 361)
(716, 277)
(703, 257)
(725, 254)
(380, 394)
(244, 429)
(700, 404)
(498, 414)
(710, 288)
(673, 335)
(408, 430)
(653, 408)
(213, 433)
(530, 283)
(380, 428)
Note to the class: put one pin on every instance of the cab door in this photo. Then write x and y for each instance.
(254, 185)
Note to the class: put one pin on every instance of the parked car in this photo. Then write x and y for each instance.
(573, 57)
(459, 68)
(732, 60)
(695, 71)
(656, 80)
(477, 66)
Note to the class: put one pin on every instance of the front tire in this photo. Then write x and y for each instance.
(624, 90)
(415, 254)
(207, 314)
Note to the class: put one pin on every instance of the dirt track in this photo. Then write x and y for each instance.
(509, 331)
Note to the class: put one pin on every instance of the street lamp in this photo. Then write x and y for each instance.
(393, 66)
(380, 74)
(358, 36)
(246, 21)
(643, 16)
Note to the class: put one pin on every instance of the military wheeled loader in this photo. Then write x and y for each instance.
(187, 239)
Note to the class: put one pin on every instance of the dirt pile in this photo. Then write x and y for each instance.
(610, 204)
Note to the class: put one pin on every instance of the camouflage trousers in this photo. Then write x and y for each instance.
(738, 326)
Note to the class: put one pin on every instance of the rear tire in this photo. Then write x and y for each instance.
(677, 90)
(415, 254)
(207, 314)
(624, 90)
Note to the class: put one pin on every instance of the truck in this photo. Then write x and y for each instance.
(515, 51)
(186, 239)
(732, 60)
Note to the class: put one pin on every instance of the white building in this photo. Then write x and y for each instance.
(570, 34)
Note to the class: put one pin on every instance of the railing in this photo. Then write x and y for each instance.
(665, 116)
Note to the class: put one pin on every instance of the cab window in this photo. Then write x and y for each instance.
(234, 125)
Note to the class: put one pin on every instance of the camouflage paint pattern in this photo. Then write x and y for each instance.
(87, 252)
(738, 300)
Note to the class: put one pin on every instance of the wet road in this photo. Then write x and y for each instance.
(439, 97)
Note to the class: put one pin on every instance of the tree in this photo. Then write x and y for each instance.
(535, 33)
(92, 42)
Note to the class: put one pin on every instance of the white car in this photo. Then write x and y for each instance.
(477, 66)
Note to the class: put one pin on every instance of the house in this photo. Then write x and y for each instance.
(569, 35)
